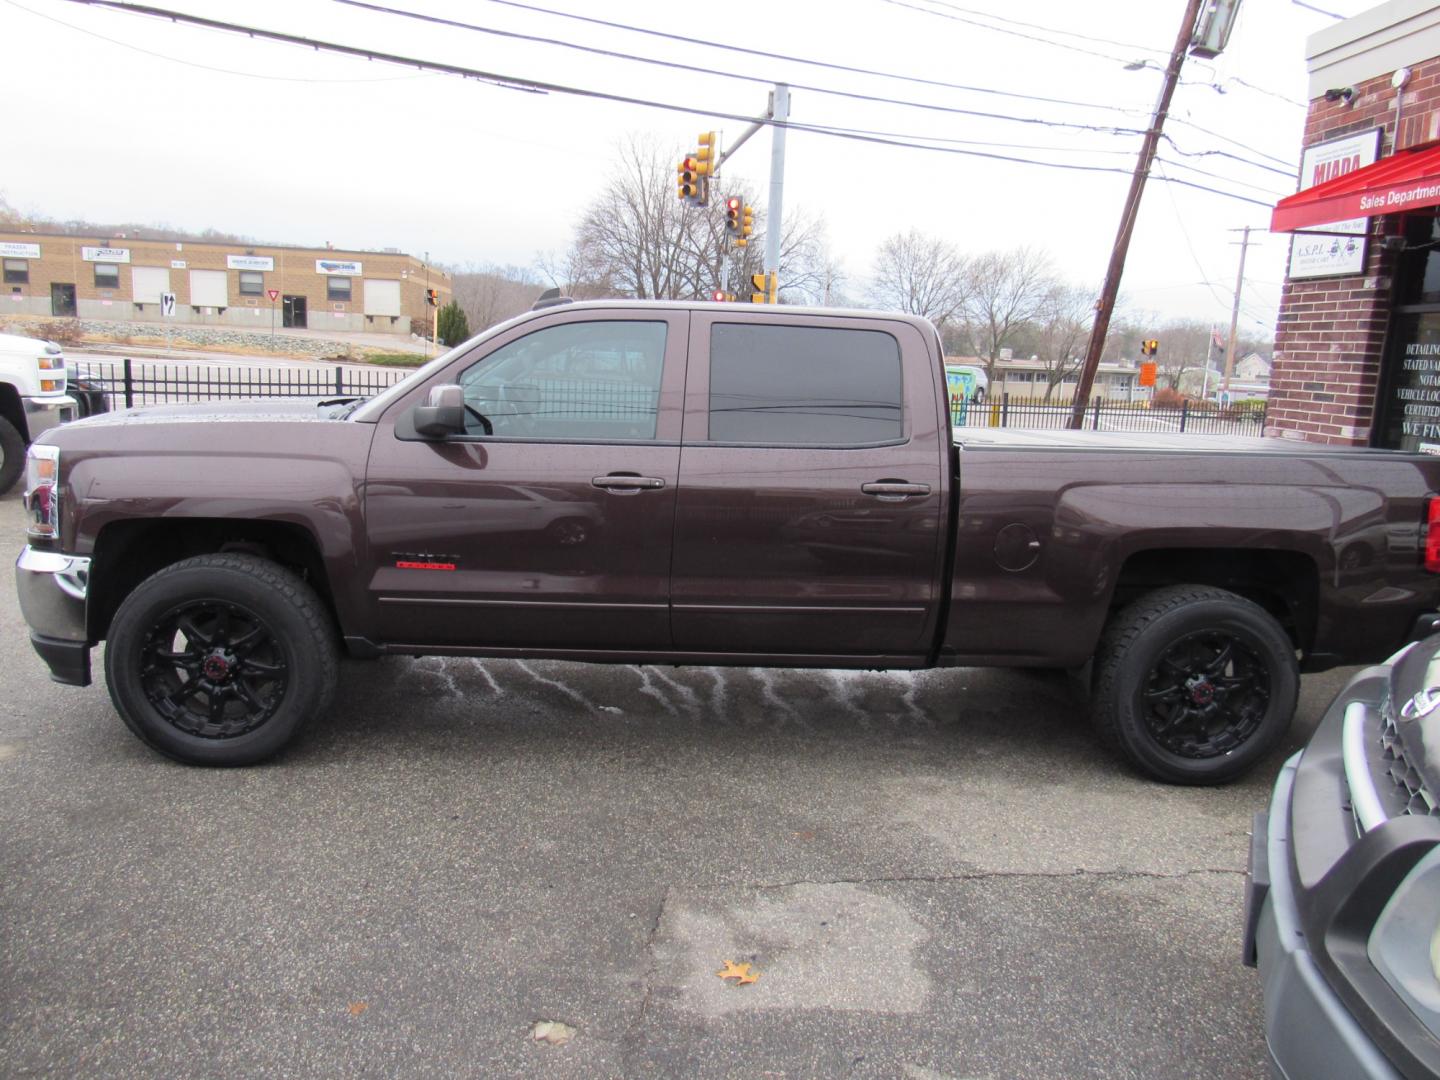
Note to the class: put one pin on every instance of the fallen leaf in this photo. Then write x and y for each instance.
(739, 972)
(357, 1007)
(552, 1031)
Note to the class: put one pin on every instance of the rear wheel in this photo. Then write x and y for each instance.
(220, 659)
(12, 455)
(1194, 685)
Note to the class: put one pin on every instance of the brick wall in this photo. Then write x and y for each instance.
(1330, 335)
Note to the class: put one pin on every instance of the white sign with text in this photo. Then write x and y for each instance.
(1329, 255)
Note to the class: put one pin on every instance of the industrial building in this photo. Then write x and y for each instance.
(243, 285)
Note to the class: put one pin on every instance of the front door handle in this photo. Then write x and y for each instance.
(894, 490)
(626, 482)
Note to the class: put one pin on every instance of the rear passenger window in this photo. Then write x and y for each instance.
(803, 385)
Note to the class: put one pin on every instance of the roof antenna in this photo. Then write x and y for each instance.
(550, 298)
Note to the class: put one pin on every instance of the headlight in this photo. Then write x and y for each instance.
(1405, 944)
(52, 363)
(42, 490)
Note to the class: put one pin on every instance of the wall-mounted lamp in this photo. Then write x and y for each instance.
(1341, 93)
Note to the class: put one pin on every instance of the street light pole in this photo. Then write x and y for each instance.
(1105, 306)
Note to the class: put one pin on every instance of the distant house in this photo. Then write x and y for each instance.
(1029, 379)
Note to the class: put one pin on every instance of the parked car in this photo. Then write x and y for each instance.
(1343, 892)
(673, 483)
(33, 399)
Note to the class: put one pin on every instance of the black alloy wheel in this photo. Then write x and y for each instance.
(1206, 695)
(221, 659)
(213, 669)
(1194, 684)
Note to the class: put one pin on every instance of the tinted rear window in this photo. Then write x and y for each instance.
(803, 384)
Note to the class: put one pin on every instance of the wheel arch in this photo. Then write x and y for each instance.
(13, 410)
(1285, 583)
(127, 552)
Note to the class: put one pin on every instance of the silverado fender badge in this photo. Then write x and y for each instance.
(1422, 704)
(424, 560)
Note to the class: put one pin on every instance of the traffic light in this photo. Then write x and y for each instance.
(432, 297)
(761, 285)
(689, 180)
(720, 296)
(705, 155)
(747, 226)
(733, 210)
(1149, 347)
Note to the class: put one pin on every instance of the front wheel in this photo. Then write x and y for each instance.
(12, 455)
(1194, 685)
(220, 659)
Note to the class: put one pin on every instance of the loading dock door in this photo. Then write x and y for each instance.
(382, 297)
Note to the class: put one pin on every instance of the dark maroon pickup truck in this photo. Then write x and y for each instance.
(683, 483)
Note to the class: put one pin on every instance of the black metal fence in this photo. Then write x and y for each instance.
(1102, 415)
(128, 383)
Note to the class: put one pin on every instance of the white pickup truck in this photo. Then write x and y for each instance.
(33, 398)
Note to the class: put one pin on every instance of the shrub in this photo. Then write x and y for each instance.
(452, 327)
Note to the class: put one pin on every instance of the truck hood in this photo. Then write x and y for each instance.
(298, 410)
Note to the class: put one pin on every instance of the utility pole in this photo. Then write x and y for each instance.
(780, 113)
(1235, 311)
(1105, 307)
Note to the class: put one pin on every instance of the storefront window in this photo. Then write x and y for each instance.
(1418, 272)
(1409, 408)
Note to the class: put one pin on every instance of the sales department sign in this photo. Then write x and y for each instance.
(337, 266)
(1329, 256)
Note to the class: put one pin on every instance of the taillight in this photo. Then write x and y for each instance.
(42, 490)
(1432, 534)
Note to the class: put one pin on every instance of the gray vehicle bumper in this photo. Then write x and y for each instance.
(42, 414)
(52, 589)
(1309, 1031)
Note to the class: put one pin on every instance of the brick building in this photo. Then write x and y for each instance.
(114, 277)
(1357, 357)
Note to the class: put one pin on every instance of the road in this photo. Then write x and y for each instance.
(935, 875)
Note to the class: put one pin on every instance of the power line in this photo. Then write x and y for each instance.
(746, 51)
(1221, 176)
(1002, 30)
(1048, 29)
(203, 67)
(1294, 169)
(1288, 174)
(535, 85)
(438, 20)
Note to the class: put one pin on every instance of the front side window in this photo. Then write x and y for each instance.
(17, 272)
(252, 283)
(804, 385)
(585, 380)
(107, 276)
(337, 288)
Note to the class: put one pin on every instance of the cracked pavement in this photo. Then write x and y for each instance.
(938, 876)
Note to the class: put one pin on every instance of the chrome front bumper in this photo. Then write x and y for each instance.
(52, 589)
(42, 414)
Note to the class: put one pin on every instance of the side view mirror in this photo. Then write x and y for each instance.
(443, 412)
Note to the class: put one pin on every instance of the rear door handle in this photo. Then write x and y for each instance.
(894, 490)
(626, 482)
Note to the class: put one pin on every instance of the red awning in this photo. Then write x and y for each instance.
(1403, 181)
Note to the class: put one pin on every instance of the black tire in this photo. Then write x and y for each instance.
(221, 659)
(1194, 685)
(12, 455)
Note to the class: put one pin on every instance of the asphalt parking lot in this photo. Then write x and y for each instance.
(935, 876)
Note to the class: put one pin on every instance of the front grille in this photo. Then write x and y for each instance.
(1418, 799)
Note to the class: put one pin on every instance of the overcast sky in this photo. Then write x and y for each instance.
(115, 116)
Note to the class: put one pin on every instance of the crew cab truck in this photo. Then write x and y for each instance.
(33, 399)
(673, 483)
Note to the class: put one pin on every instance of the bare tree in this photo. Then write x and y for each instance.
(637, 239)
(1005, 291)
(1062, 327)
(491, 294)
(921, 275)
